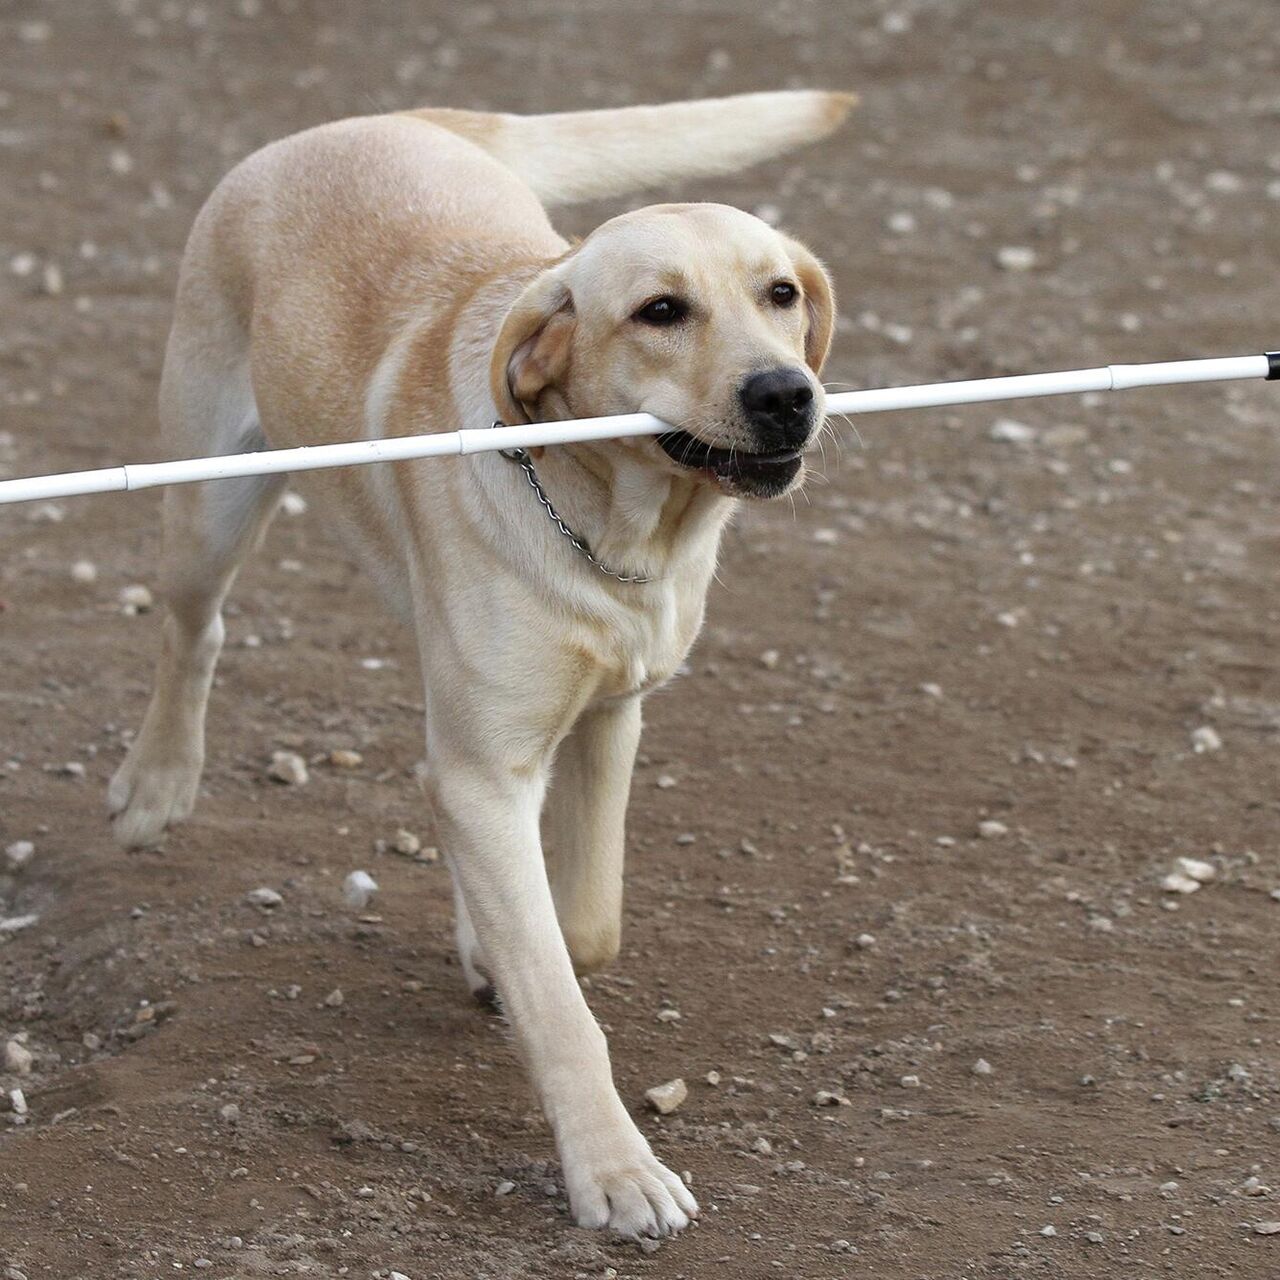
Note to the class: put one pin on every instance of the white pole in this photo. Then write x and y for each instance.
(1113, 377)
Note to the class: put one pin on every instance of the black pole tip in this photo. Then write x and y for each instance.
(1273, 366)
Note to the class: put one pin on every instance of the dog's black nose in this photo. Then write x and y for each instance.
(780, 402)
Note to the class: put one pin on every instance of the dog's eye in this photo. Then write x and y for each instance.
(662, 311)
(783, 294)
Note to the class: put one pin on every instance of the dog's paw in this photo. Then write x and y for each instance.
(635, 1195)
(144, 798)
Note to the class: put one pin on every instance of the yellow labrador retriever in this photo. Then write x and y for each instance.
(397, 274)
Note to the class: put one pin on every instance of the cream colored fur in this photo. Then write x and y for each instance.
(398, 274)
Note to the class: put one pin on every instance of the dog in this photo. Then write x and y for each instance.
(398, 274)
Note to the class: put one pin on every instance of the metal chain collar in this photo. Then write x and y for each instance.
(521, 457)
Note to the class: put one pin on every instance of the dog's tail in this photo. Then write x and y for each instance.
(585, 155)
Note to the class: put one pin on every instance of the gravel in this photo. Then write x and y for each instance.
(19, 853)
(406, 843)
(666, 1098)
(135, 599)
(288, 767)
(1015, 257)
(358, 890)
(18, 1058)
(1007, 431)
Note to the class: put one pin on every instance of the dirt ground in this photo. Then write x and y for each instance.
(961, 623)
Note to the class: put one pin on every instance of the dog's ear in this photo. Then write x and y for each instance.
(532, 351)
(819, 302)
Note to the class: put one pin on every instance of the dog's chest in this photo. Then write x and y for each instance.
(648, 646)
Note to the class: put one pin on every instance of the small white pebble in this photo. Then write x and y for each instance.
(135, 599)
(265, 899)
(19, 853)
(1050, 1230)
(1205, 739)
(666, 1098)
(335, 999)
(826, 537)
(358, 890)
(983, 1068)
(1224, 182)
(664, 782)
(406, 843)
(1015, 257)
(293, 504)
(18, 1059)
(342, 758)
(865, 941)
(1007, 431)
(1197, 869)
(504, 1188)
(769, 659)
(1176, 882)
(910, 1082)
(828, 1098)
(990, 829)
(288, 767)
(84, 571)
(931, 690)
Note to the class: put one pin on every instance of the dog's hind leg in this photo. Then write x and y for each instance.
(208, 530)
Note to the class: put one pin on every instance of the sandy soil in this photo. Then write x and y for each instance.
(950, 629)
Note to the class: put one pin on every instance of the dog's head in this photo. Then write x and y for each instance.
(700, 314)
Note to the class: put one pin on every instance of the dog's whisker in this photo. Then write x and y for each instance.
(853, 426)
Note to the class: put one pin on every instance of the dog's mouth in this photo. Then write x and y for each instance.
(757, 472)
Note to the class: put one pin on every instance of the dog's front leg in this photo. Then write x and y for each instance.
(586, 830)
(487, 815)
